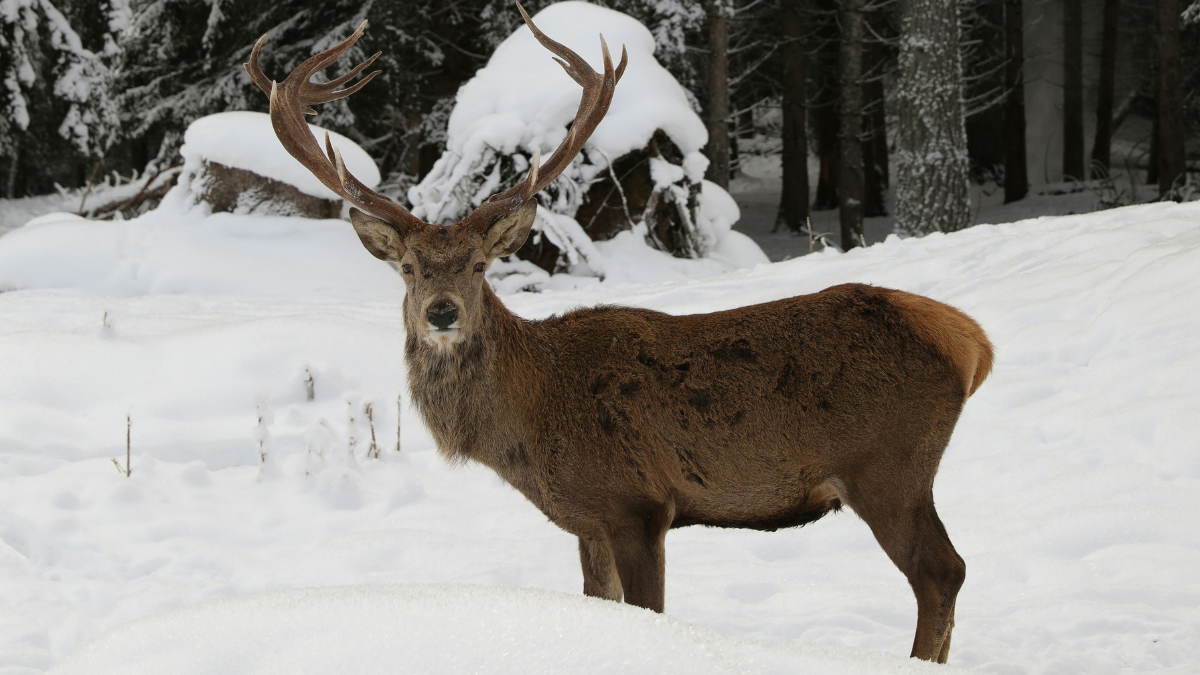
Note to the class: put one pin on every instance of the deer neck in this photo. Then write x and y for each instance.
(479, 398)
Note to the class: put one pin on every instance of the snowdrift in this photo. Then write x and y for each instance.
(1071, 486)
(442, 630)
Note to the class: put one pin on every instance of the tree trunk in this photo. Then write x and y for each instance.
(984, 82)
(1170, 101)
(931, 140)
(1073, 90)
(10, 188)
(850, 159)
(1101, 147)
(1016, 177)
(1153, 165)
(793, 204)
(825, 112)
(718, 93)
(874, 116)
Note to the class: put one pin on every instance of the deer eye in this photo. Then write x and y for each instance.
(479, 266)
(406, 268)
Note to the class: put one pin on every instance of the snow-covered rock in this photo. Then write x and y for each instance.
(522, 102)
(234, 162)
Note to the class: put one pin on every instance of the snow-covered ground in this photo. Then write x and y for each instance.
(1071, 487)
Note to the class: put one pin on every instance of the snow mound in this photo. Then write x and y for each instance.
(246, 140)
(444, 630)
(523, 99)
(178, 250)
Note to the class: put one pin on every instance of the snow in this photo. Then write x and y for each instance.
(477, 629)
(1071, 486)
(167, 252)
(245, 140)
(523, 99)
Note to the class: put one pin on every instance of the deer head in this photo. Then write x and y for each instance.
(443, 266)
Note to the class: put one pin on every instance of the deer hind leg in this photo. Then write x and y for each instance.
(945, 653)
(600, 579)
(639, 552)
(915, 539)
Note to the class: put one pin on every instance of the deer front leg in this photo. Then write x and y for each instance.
(638, 548)
(600, 579)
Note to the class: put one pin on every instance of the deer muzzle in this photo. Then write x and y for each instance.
(443, 329)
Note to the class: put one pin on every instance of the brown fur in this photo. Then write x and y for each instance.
(621, 423)
(956, 335)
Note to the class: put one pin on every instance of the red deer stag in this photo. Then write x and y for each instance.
(621, 423)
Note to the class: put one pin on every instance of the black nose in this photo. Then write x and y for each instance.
(442, 315)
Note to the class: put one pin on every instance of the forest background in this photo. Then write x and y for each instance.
(107, 87)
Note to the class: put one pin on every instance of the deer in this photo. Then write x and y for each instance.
(621, 423)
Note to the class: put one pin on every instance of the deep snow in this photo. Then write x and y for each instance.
(1071, 487)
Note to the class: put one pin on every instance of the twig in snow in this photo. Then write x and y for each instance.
(309, 386)
(91, 180)
(128, 468)
(399, 410)
(373, 450)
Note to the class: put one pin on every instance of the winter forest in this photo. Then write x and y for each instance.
(1014, 97)
(225, 446)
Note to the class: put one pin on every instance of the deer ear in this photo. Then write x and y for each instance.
(509, 231)
(380, 237)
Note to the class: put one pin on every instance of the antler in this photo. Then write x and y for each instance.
(597, 94)
(290, 101)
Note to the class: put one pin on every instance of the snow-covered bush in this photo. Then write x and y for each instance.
(233, 162)
(641, 168)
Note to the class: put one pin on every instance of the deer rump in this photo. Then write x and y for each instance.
(761, 417)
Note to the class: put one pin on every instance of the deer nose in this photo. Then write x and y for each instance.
(442, 315)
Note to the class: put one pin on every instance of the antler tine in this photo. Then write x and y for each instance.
(255, 69)
(593, 104)
(289, 104)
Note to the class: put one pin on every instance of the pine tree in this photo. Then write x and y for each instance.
(60, 113)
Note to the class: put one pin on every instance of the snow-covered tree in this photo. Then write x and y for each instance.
(57, 83)
(182, 59)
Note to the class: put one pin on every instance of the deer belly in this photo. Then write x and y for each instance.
(769, 506)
